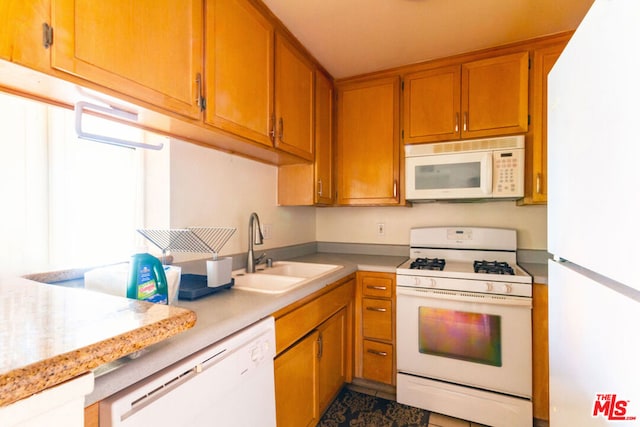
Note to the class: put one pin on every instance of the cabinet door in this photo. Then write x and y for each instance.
(378, 362)
(377, 319)
(495, 96)
(540, 321)
(296, 384)
(323, 193)
(294, 100)
(368, 147)
(21, 35)
(312, 184)
(333, 357)
(432, 105)
(239, 70)
(536, 179)
(147, 49)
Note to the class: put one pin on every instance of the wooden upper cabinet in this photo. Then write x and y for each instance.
(488, 97)
(148, 49)
(536, 147)
(432, 105)
(239, 70)
(21, 38)
(323, 193)
(368, 142)
(294, 100)
(312, 184)
(495, 96)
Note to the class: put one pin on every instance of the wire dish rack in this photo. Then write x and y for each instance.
(191, 239)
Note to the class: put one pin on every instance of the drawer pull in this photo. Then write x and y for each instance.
(377, 353)
(377, 288)
(379, 309)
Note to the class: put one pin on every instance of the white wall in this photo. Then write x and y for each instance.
(213, 188)
(359, 224)
(199, 186)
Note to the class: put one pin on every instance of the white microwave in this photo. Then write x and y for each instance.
(460, 170)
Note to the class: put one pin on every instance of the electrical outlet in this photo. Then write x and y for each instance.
(266, 231)
(380, 228)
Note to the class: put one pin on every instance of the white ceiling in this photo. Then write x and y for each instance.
(351, 37)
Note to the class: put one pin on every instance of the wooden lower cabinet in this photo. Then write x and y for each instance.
(314, 351)
(375, 327)
(92, 415)
(540, 320)
(332, 352)
(296, 382)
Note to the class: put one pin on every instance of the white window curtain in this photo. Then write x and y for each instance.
(66, 203)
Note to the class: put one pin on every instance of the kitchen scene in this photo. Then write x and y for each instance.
(273, 213)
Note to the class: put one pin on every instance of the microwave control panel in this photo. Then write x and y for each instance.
(508, 173)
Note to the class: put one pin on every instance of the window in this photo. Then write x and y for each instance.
(66, 203)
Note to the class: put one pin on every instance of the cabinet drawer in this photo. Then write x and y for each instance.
(378, 286)
(377, 319)
(378, 362)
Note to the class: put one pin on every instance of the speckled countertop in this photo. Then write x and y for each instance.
(51, 334)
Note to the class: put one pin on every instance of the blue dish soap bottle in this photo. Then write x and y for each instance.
(147, 280)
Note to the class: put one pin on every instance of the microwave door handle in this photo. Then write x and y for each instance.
(487, 182)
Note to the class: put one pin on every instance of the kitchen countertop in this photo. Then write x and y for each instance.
(222, 314)
(51, 334)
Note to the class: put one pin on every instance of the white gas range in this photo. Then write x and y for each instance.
(464, 326)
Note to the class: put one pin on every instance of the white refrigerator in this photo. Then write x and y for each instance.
(593, 221)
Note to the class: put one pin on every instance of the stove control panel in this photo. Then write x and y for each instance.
(479, 286)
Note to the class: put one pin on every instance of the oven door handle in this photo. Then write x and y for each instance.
(471, 297)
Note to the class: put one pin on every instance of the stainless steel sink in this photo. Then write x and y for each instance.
(283, 276)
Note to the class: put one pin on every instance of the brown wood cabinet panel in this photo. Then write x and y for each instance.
(148, 49)
(239, 60)
(295, 324)
(368, 144)
(378, 362)
(540, 327)
(333, 354)
(92, 415)
(432, 105)
(20, 32)
(377, 319)
(536, 171)
(294, 85)
(296, 384)
(379, 285)
(312, 184)
(323, 184)
(375, 327)
(495, 96)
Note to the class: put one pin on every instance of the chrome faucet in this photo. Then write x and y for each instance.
(254, 238)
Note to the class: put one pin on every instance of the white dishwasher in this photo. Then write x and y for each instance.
(228, 384)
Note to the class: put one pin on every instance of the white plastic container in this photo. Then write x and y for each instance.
(219, 272)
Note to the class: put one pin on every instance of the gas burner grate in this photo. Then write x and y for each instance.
(428, 264)
(492, 267)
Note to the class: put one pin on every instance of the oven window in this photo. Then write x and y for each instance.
(473, 337)
(448, 176)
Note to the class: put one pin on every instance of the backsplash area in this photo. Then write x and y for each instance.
(360, 224)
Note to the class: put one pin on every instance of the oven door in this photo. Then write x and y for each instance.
(472, 339)
(449, 176)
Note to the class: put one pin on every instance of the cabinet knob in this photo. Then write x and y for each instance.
(377, 353)
(378, 309)
(377, 288)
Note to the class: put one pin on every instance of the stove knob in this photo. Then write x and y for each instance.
(508, 288)
(416, 281)
(433, 283)
(489, 287)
